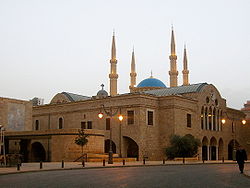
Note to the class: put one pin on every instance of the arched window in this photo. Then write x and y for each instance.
(214, 120)
(218, 120)
(202, 117)
(37, 125)
(210, 118)
(60, 125)
(206, 124)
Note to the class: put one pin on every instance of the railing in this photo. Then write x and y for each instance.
(82, 157)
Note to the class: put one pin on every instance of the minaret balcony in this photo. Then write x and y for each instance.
(114, 76)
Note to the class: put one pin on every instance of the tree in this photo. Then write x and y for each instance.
(81, 139)
(182, 146)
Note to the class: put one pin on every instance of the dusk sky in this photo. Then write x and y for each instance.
(50, 46)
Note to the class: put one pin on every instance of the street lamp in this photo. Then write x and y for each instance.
(109, 112)
(234, 126)
(2, 145)
(120, 117)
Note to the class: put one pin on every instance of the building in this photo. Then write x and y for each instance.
(152, 113)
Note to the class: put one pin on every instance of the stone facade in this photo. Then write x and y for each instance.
(15, 115)
(169, 117)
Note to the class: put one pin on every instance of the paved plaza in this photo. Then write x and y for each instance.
(209, 175)
(132, 174)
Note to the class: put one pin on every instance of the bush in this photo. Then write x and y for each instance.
(185, 146)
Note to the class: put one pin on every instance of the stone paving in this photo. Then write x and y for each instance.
(48, 166)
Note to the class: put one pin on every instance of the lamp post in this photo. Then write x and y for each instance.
(120, 117)
(234, 131)
(2, 144)
(109, 112)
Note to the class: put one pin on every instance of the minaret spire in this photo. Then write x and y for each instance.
(132, 73)
(185, 71)
(172, 42)
(113, 49)
(173, 73)
(113, 76)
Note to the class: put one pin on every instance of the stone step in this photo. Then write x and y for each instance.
(100, 155)
(114, 159)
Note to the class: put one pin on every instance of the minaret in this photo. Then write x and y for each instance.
(113, 76)
(173, 73)
(132, 73)
(185, 71)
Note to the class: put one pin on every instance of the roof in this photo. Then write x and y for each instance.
(75, 97)
(194, 88)
(151, 82)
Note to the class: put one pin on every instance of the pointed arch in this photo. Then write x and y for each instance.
(232, 145)
(204, 148)
(131, 147)
(210, 118)
(202, 117)
(206, 118)
(220, 149)
(214, 120)
(213, 148)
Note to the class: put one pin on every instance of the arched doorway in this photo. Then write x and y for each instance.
(37, 152)
(107, 146)
(204, 148)
(231, 151)
(220, 150)
(132, 148)
(24, 143)
(213, 144)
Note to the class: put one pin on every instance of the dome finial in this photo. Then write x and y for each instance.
(151, 76)
(102, 86)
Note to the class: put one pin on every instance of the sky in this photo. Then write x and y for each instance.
(51, 46)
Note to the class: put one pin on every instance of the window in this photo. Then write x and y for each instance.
(189, 120)
(206, 119)
(37, 125)
(150, 117)
(214, 120)
(89, 124)
(207, 99)
(83, 125)
(60, 125)
(130, 117)
(107, 123)
(202, 118)
(210, 118)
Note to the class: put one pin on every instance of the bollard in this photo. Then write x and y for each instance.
(183, 160)
(223, 159)
(18, 166)
(83, 163)
(41, 164)
(163, 161)
(62, 163)
(144, 161)
(103, 162)
(123, 161)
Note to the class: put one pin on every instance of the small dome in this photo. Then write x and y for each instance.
(102, 93)
(151, 82)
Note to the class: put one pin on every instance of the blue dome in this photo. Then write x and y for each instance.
(151, 82)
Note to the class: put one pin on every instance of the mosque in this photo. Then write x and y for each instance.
(151, 112)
